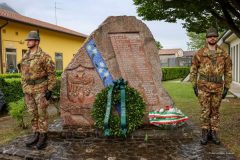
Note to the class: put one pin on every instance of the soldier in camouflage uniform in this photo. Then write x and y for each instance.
(211, 76)
(38, 81)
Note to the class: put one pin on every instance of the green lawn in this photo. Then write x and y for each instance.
(184, 98)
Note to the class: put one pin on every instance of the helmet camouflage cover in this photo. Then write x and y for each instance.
(33, 35)
(212, 32)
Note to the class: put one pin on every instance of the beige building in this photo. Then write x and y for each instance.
(231, 43)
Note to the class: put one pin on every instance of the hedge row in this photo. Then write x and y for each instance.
(10, 84)
(18, 75)
(12, 89)
(170, 73)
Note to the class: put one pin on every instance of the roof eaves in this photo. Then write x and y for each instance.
(41, 26)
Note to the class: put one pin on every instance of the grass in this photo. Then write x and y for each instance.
(10, 130)
(184, 98)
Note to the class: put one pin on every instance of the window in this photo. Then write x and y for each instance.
(11, 60)
(59, 61)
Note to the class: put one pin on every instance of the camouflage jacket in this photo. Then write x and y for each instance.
(205, 64)
(40, 68)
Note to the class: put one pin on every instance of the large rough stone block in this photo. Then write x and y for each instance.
(122, 46)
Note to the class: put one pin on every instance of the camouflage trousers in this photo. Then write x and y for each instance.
(210, 104)
(37, 107)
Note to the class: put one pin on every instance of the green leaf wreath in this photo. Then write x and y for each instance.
(135, 108)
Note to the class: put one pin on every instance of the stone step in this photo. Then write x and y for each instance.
(57, 130)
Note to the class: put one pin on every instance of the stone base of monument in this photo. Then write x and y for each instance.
(146, 143)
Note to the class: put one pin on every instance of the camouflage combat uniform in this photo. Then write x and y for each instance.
(211, 71)
(38, 76)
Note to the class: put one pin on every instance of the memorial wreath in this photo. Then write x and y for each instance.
(118, 109)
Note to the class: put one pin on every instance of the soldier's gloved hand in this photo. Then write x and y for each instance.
(195, 90)
(48, 94)
(225, 91)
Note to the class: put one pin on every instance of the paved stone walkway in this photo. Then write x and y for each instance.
(147, 143)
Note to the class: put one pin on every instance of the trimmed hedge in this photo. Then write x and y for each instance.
(170, 73)
(18, 75)
(12, 75)
(12, 89)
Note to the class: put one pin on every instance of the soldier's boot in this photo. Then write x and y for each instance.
(215, 138)
(209, 137)
(33, 140)
(204, 139)
(42, 143)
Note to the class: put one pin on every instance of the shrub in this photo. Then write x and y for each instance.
(11, 89)
(18, 111)
(12, 75)
(170, 73)
(18, 75)
(59, 73)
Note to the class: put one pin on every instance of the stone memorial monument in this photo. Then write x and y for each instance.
(122, 46)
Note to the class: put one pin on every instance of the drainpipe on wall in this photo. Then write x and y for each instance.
(1, 53)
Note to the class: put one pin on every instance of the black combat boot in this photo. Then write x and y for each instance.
(42, 143)
(204, 139)
(209, 137)
(33, 140)
(215, 138)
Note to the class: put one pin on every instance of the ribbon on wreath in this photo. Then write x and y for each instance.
(120, 86)
(168, 116)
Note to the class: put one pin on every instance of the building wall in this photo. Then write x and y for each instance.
(14, 34)
(164, 58)
(235, 56)
(179, 53)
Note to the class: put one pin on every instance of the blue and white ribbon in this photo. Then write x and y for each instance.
(99, 63)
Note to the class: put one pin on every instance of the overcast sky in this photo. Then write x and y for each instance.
(85, 16)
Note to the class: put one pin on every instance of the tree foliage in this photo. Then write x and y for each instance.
(159, 45)
(198, 15)
(197, 41)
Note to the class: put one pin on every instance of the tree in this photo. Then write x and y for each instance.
(198, 15)
(197, 41)
(159, 45)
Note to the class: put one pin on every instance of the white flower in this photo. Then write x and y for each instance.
(100, 70)
(172, 110)
(106, 74)
(161, 110)
(94, 51)
(101, 64)
(89, 47)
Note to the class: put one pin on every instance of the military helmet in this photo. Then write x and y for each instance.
(33, 35)
(212, 32)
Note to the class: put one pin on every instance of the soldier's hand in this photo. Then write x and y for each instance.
(225, 91)
(48, 94)
(195, 88)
